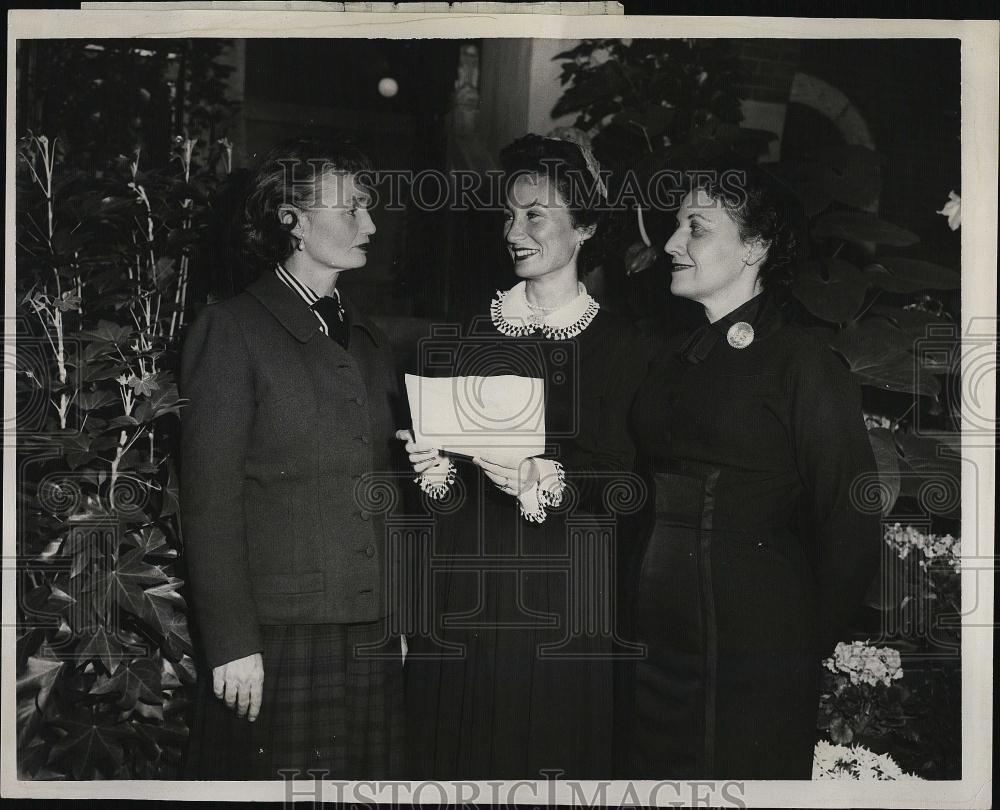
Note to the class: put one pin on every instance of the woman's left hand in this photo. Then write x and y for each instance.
(512, 476)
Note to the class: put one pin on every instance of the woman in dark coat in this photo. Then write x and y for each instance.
(513, 677)
(758, 556)
(291, 394)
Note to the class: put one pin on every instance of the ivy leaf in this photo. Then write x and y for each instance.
(148, 711)
(166, 400)
(101, 647)
(91, 746)
(177, 641)
(108, 332)
(909, 275)
(34, 685)
(136, 680)
(145, 385)
(150, 539)
(98, 372)
(59, 600)
(123, 421)
(69, 302)
(93, 400)
(125, 582)
(831, 289)
(179, 672)
(86, 543)
(861, 227)
(161, 604)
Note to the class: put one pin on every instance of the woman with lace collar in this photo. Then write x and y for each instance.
(507, 682)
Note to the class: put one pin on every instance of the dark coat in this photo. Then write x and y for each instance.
(760, 553)
(284, 431)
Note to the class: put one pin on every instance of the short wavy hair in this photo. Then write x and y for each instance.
(762, 209)
(563, 164)
(290, 173)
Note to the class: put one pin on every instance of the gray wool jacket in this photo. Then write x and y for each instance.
(286, 450)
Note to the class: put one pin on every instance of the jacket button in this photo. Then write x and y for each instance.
(359, 400)
(364, 514)
(370, 550)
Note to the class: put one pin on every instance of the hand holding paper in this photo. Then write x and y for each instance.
(513, 477)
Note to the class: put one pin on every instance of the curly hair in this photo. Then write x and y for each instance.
(290, 173)
(563, 164)
(762, 209)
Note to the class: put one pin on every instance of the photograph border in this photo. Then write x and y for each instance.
(980, 44)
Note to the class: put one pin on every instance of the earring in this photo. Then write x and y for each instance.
(301, 245)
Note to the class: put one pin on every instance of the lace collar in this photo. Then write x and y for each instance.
(512, 315)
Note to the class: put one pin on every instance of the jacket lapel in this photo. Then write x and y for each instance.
(291, 311)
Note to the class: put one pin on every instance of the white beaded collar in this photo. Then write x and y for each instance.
(511, 315)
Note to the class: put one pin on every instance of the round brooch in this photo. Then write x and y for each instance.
(740, 335)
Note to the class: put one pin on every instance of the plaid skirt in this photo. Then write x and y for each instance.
(327, 709)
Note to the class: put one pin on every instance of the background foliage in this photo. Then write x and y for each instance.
(112, 207)
(655, 104)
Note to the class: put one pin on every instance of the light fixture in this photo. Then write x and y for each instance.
(388, 87)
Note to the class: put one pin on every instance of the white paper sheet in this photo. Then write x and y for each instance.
(500, 417)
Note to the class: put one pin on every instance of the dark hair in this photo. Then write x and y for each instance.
(762, 209)
(563, 163)
(290, 173)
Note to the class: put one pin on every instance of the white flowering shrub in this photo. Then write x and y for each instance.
(866, 665)
(855, 762)
(929, 548)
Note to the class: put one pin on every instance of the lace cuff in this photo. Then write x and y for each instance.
(547, 491)
(435, 481)
(551, 482)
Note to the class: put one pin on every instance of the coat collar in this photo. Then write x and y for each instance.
(761, 312)
(295, 315)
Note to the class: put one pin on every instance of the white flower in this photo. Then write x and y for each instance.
(864, 664)
(857, 762)
(953, 210)
(599, 56)
(876, 420)
(931, 546)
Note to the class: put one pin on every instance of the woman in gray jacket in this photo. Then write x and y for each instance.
(291, 395)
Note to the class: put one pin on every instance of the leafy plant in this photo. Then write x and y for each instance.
(655, 104)
(889, 316)
(103, 651)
